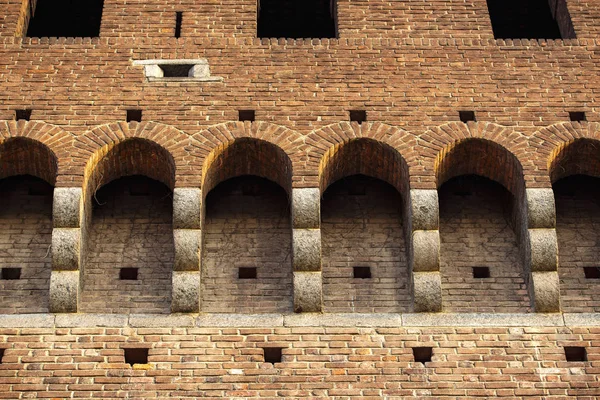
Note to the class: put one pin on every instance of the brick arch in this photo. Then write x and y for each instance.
(374, 149)
(36, 148)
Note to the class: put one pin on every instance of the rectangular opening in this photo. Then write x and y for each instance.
(591, 272)
(66, 18)
(178, 21)
(39, 189)
(575, 354)
(362, 272)
(481, 272)
(139, 188)
(247, 273)
(128, 274)
(24, 115)
(134, 115)
(466, 116)
(577, 116)
(176, 70)
(296, 19)
(2, 356)
(422, 354)
(11, 274)
(136, 356)
(359, 116)
(272, 354)
(246, 115)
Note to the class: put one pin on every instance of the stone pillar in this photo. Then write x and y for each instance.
(542, 250)
(425, 251)
(306, 247)
(187, 234)
(65, 280)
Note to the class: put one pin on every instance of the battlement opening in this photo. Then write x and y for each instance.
(296, 19)
(66, 18)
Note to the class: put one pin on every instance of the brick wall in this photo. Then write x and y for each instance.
(476, 231)
(362, 227)
(247, 224)
(25, 236)
(131, 228)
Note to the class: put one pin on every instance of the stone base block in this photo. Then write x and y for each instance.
(67, 207)
(186, 292)
(427, 291)
(545, 291)
(306, 208)
(64, 291)
(307, 249)
(424, 209)
(541, 208)
(187, 208)
(426, 251)
(66, 248)
(188, 245)
(308, 292)
(543, 249)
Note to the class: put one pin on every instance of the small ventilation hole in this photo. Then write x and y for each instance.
(577, 116)
(136, 356)
(128, 274)
(422, 354)
(134, 115)
(2, 356)
(591, 272)
(466, 116)
(362, 272)
(359, 116)
(247, 115)
(176, 70)
(272, 354)
(247, 273)
(11, 274)
(24, 115)
(575, 354)
(178, 21)
(481, 272)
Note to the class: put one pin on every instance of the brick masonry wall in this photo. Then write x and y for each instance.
(475, 231)
(577, 219)
(344, 363)
(131, 228)
(25, 236)
(362, 226)
(247, 224)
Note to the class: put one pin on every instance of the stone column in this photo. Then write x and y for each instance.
(542, 250)
(187, 234)
(65, 280)
(425, 251)
(306, 247)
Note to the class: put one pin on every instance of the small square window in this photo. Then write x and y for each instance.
(11, 274)
(128, 274)
(481, 272)
(362, 272)
(577, 116)
(273, 355)
(246, 115)
(134, 115)
(591, 272)
(422, 354)
(247, 273)
(466, 116)
(136, 356)
(575, 354)
(359, 116)
(24, 115)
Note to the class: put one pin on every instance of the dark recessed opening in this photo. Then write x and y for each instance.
(134, 115)
(251, 189)
(466, 116)
(136, 356)
(359, 116)
(40, 188)
(481, 272)
(422, 354)
(272, 354)
(574, 354)
(246, 115)
(24, 115)
(11, 274)
(357, 189)
(296, 19)
(66, 18)
(577, 116)
(591, 272)
(2, 356)
(178, 21)
(247, 273)
(463, 193)
(139, 188)
(128, 274)
(176, 70)
(362, 272)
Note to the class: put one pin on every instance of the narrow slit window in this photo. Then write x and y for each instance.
(66, 18)
(362, 272)
(575, 354)
(176, 70)
(296, 19)
(24, 115)
(11, 274)
(247, 273)
(481, 272)
(247, 115)
(273, 355)
(136, 356)
(134, 115)
(128, 274)
(577, 116)
(422, 354)
(359, 116)
(2, 351)
(591, 272)
(178, 22)
(466, 116)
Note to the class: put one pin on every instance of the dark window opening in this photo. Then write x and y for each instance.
(272, 354)
(591, 272)
(362, 272)
(481, 272)
(176, 70)
(422, 354)
(128, 274)
(11, 274)
(530, 19)
(359, 116)
(466, 116)
(246, 115)
(136, 356)
(134, 115)
(178, 21)
(296, 19)
(66, 18)
(2, 356)
(577, 116)
(23, 115)
(575, 354)
(247, 273)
